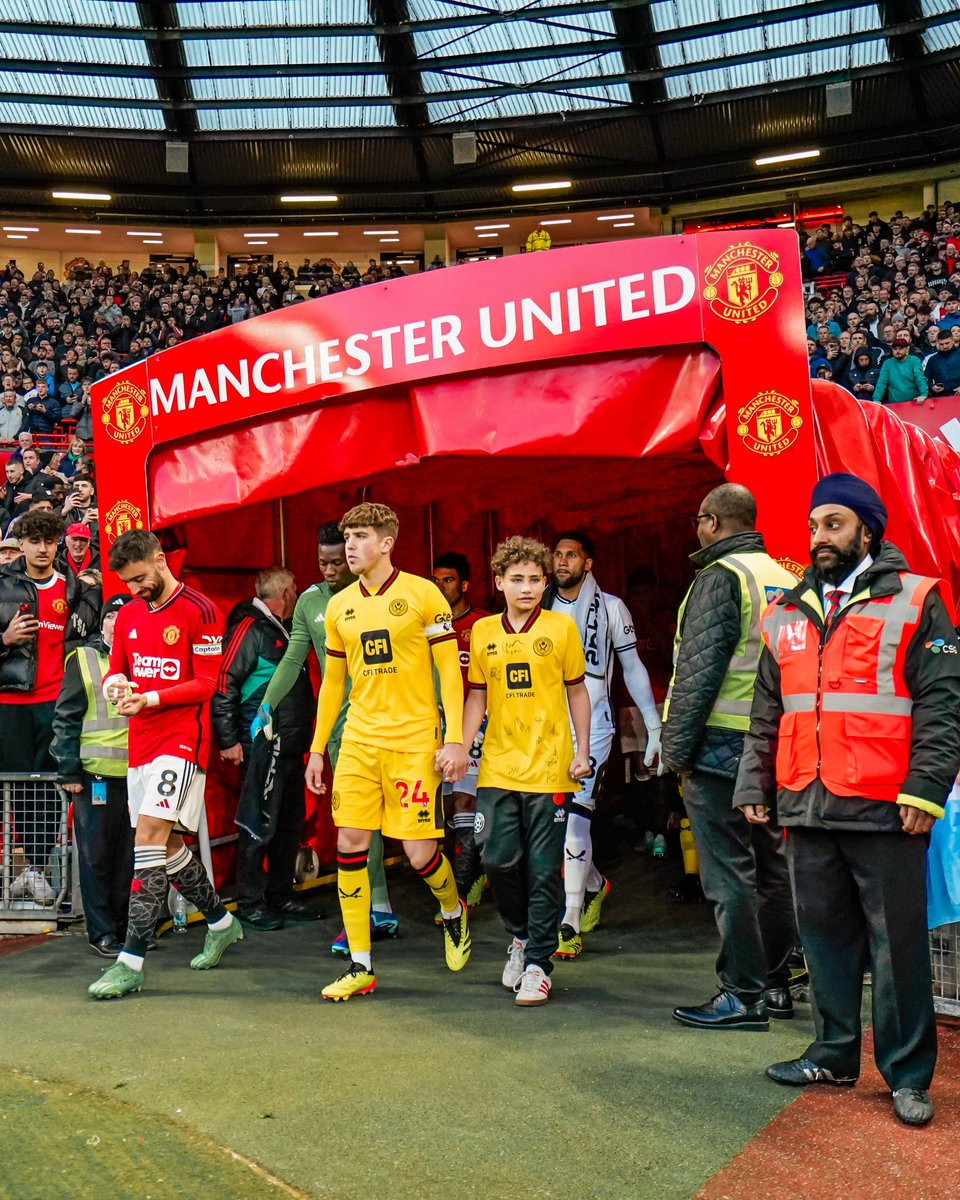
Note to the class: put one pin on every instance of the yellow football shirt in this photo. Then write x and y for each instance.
(528, 746)
(385, 637)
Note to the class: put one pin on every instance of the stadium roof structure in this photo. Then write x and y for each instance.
(640, 101)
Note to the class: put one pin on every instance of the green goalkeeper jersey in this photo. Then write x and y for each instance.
(308, 630)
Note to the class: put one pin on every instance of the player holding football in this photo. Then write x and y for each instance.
(162, 674)
(388, 631)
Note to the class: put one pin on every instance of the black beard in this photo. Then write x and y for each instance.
(845, 562)
(573, 580)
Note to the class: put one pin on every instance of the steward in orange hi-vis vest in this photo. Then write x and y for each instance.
(847, 707)
(855, 740)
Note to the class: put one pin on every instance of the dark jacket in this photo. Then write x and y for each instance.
(933, 680)
(708, 638)
(943, 368)
(254, 644)
(18, 664)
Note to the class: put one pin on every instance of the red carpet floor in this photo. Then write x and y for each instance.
(845, 1142)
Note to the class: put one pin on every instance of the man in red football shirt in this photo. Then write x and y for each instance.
(163, 672)
(451, 574)
(36, 604)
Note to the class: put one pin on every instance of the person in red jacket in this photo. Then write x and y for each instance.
(855, 740)
(162, 674)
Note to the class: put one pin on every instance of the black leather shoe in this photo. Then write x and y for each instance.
(725, 1011)
(913, 1106)
(297, 911)
(259, 918)
(107, 946)
(779, 1003)
(798, 1072)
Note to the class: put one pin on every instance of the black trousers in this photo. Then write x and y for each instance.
(862, 902)
(105, 848)
(520, 837)
(277, 783)
(744, 873)
(26, 733)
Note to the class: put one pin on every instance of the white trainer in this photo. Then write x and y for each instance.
(20, 888)
(39, 887)
(513, 970)
(533, 987)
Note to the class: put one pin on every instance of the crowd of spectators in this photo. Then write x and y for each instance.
(884, 317)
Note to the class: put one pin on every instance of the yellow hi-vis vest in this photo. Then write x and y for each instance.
(762, 581)
(103, 739)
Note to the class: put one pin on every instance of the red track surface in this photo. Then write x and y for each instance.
(834, 1142)
(14, 944)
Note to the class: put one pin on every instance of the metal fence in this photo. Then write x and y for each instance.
(945, 957)
(36, 870)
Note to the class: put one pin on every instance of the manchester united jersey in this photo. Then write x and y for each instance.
(385, 637)
(172, 649)
(525, 673)
(461, 627)
(52, 619)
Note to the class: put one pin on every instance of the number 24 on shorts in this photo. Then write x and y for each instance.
(415, 795)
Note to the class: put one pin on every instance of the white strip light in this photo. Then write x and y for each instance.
(21, 229)
(491, 227)
(322, 233)
(153, 241)
(144, 233)
(258, 243)
(16, 237)
(782, 158)
(617, 217)
(551, 186)
(558, 221)
(395, 241)
(308, 199)
(378, 232)
(81, 195)
(261, 235)
(487, 235)
(91, 232)
(623, 225)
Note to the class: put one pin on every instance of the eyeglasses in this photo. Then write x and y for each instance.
(695, 521)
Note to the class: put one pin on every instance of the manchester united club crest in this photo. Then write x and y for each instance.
(171, 635)
(770, 423)
(121, 518)
(743, 283)
(124, 413)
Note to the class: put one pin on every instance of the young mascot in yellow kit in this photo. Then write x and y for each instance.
(388, 631)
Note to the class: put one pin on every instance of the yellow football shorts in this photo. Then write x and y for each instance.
(396, 791)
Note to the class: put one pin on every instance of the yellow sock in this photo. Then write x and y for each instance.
(438, 876)
(353, 885)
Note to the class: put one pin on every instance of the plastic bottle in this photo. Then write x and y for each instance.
(688, 848)
(178, 911)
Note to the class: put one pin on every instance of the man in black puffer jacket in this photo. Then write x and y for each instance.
(706, 715)
(271, 809)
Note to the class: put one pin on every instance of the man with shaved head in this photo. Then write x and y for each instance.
(707, 714)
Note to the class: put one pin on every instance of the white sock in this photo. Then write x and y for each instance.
(221, 925)
(594, 880)
(577, 861)
(362, 957)
(133, 961)
(448, 916)
(382, 908)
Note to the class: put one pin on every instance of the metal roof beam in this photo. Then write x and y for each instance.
(475, 20)
(907, 48)
(647, 75)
